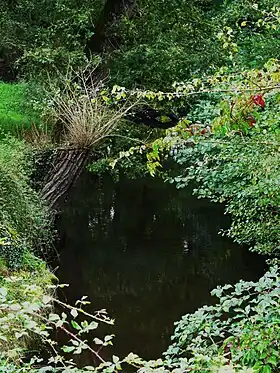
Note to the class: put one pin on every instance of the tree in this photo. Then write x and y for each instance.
(155, 43)
(40, 35)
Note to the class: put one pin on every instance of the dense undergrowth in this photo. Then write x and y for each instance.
(223, 58)
(22, 211)
(24, 232)
(28, 284)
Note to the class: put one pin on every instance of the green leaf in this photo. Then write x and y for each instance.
(46, 299)
(54, 317)
(3, 338)
(98, 341)
(68, 348)
(3, 292)
(74, 312)
(266, 369)
(272, 360)
(75, 325)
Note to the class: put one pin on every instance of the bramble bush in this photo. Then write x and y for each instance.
(241, 329)
(240, 333)
(244, 174)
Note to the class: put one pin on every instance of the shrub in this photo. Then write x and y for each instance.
(27, 286)
(241, 330)
(240, 333)
(21, 208)
(84, 109)
(245, 175)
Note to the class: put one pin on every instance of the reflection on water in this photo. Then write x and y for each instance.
(148, 253)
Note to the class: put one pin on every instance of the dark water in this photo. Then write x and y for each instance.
(148, 253)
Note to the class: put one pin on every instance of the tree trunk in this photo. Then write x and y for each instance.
(68, 167)
(111, 10)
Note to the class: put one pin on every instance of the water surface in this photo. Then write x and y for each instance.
(148, 253)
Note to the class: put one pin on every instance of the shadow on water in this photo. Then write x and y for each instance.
(148, 253)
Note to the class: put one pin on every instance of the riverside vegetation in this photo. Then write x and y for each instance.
(87, 76)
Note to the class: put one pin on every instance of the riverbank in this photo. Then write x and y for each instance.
(25, 235)
(186, 91)
(27, 289)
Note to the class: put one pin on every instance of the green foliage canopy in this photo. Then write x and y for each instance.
(45, 35)
(162, 42)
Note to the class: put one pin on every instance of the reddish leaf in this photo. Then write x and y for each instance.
(259, 100)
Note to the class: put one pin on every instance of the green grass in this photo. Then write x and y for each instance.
(15, 115)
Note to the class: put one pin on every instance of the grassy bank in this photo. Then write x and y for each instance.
(15, 115)
(24, 233)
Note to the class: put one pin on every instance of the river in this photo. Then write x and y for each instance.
(147, 253)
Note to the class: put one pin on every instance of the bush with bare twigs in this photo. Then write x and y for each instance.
(85, 113)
